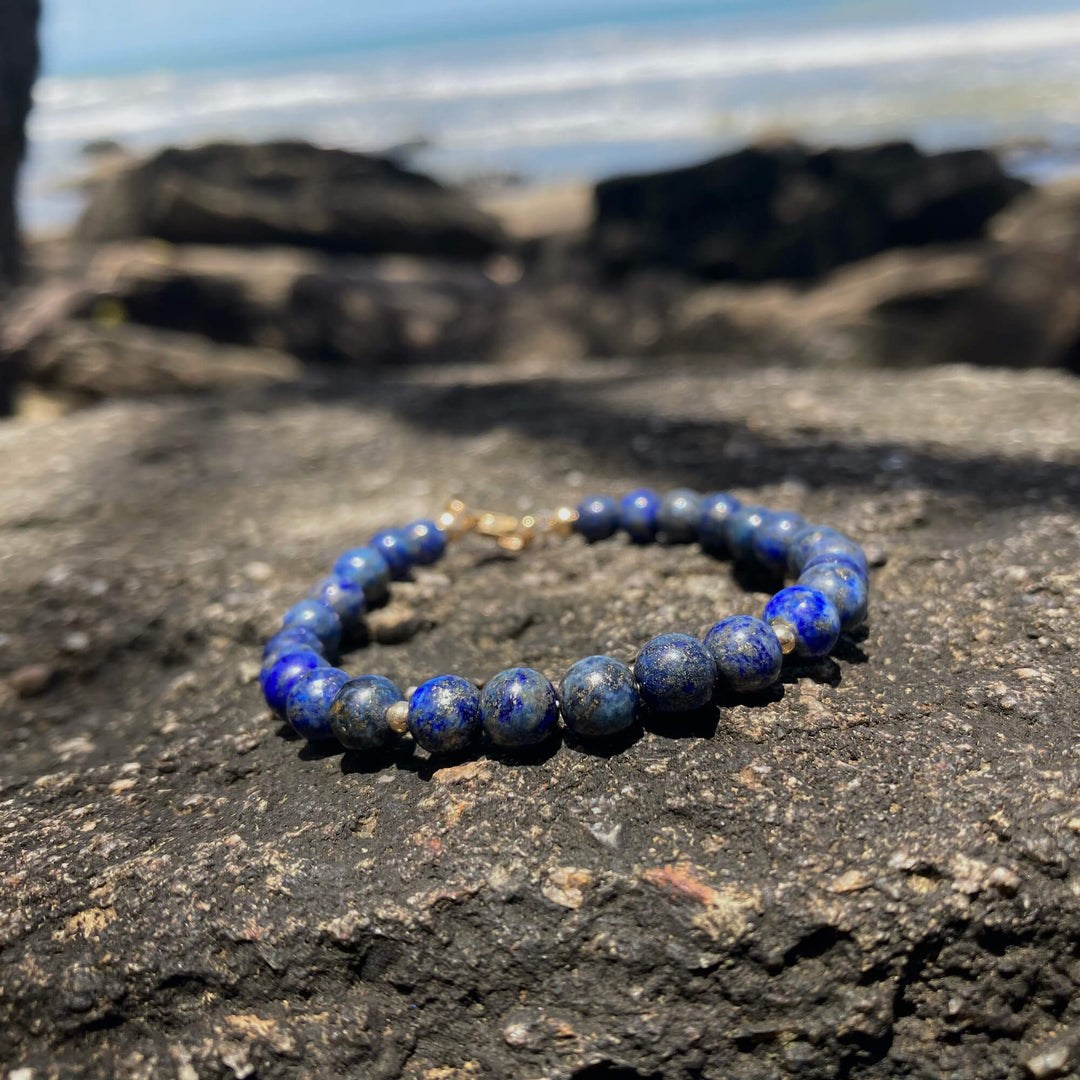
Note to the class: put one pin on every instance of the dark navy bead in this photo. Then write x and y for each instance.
(283, 675)
(318, 617)
(444, 713)
(393, 546)
(810, 615)
(296, 637)
(365, 567)
(598, 517)
(675, 673)
(637, 515)
(747, 653)
(844, 585)
(773, 538)
(345, 597)
(820, 540)
(678, 516)
(518, 707)
(307, 707)
(841, 559)
(599, 697)
(715, 510)
(358, 713)
(426, 542)
(739, 530)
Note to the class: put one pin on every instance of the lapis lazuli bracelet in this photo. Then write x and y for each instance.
(599, 696)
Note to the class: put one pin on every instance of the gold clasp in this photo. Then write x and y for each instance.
(509, 532)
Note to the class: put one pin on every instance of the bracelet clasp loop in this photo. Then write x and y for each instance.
(509, 532)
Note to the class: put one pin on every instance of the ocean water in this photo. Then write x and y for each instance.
(563, 91)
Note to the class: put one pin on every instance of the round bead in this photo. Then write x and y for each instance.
(773, 538)
(675, 673)
(840, 559)
(317, 617)
(365, 567)
(290, 640)
(715, 510)
(444, 713)
(747, 653)
(599, 697)
(426, 542)
(518, 707)
(358, 713)
(844, 586)
(810, 615)
(821, 540)
(346, 598)
(678, 516)
(637, 515)
(739, 530)
(307, 707)
(393, 546)
(283, 675)
(598, 517)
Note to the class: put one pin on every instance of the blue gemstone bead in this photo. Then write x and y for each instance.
(296, 637)
(841, 559)
(811, 616)
(678, 516)
(358, 713)
(318, 617)
(820, 540)
(598, 518)
(773, 538)
(844, 585)
(715, 510)
(675, 673)
(739, 530)
(307, 707)
(393, 546)
(444, 713)
(747, 653)
(599, 697)
(518, 707)
(637, 515)
(365, 567)
(426, 542)
(285, 650)
(284, 674)
(346, 598)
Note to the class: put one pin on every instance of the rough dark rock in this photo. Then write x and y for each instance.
(871, 874)
(786, 211)
(288, 193)
(18, 69)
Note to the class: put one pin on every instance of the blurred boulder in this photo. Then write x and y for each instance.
(18, 69)
(785, 211)
(288, 193)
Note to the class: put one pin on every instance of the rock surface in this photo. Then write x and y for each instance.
(870, 874)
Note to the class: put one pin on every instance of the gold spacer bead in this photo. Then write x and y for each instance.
(456, 520)
(397, 716)
(785, 635)
(562, 521)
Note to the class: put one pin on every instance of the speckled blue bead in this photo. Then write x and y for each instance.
(637, 515)
(820, 540)
(598, 518)
(426, 542)
(307, 707)
(290, 640)
(747, 653)
(811, 616)
(518, 707)
(739, 531)
(318, 617)
(346, 598)
(599, 697)
(358, 713)
(365, 567)
(715, 510)
(444, 714)
(773, 537)
(678, 516)
(393, 546)
(839, 558)
(284, 674)
(844, 585)
(675, 673)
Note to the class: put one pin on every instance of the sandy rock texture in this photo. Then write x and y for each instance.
(869, 873)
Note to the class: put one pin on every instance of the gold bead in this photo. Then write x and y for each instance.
(784, 634)
(397, 716)
(562, 521)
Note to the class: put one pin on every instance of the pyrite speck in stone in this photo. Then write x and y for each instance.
(519, 707)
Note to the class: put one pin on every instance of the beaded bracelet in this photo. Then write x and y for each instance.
(599, 696)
